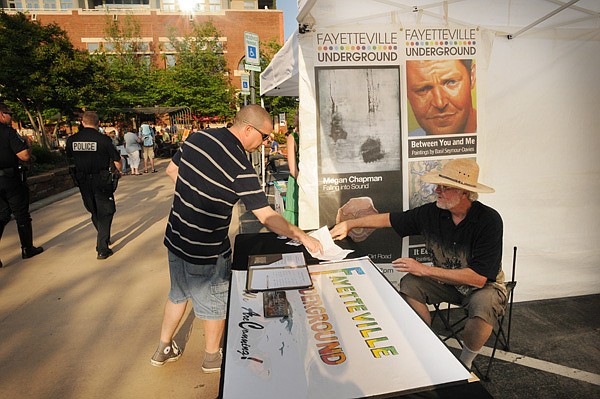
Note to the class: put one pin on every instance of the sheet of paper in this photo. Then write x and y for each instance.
(278, 278)
(290, 259)
(331, 251)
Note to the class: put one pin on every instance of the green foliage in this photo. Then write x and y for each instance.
(199, 79)
(43, 76)
(39, 68)
(123, 77)
(45, 160)
(44, 155)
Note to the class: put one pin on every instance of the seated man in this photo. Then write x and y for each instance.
(464, 239)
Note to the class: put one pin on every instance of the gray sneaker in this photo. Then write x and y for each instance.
(165, 353)
(212, 362)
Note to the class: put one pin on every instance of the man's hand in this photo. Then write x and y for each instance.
(313, 245)
(409, 265)
(340, 231)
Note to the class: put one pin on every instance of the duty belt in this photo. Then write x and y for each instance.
(8, 172)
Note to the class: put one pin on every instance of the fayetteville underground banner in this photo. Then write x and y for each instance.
(392, 105)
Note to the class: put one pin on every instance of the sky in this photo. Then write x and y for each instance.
(290, 11)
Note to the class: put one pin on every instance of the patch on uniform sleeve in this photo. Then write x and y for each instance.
(84, 146)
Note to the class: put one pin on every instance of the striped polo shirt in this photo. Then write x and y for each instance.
(214, 173)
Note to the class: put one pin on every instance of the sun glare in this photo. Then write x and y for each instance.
(187, 5)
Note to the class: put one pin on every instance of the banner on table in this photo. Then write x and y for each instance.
(350, 336)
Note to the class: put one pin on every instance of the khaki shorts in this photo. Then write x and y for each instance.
(148, 152)
(487, 303)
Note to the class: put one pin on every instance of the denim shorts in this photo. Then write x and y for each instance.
(206, 285)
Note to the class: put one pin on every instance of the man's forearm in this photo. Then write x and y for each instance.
(457, 276)
(372, 221)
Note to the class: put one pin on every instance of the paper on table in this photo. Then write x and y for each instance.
(278, 278)
(331, 251)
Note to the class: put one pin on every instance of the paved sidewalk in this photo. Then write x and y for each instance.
(72, 326)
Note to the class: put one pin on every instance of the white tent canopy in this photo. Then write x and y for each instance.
(506, 18)
(280, 78)
(539, 101)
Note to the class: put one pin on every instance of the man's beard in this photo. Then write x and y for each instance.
(447, 204)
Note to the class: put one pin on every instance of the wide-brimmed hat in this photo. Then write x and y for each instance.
(459, 173)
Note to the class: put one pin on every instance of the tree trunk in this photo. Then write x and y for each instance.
(42, 129)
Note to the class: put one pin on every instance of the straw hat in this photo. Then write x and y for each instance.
(459, 173)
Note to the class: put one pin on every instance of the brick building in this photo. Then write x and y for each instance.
(86, 22)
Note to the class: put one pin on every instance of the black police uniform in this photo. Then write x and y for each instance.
(14, 193)
(94, 155)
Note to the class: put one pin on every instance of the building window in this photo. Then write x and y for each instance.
(93, 47)
(215, 5)
(66, 4)
(168, 46)
(169, 5)
(170, 60)
(249, 5)
(15, 4)
(32, 5)
(143, 46)
(49, 4)
(108, 47)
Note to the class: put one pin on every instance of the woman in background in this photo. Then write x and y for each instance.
(133, 148)
(291, 198)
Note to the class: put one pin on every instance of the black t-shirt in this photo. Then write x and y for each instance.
(91, 150)
(10, 145)
(476, 242)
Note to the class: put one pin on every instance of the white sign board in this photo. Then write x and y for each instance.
(350, 336)
(245, 84)
(250, 67)
(251, 46)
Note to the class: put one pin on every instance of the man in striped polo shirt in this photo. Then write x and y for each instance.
(211, 173)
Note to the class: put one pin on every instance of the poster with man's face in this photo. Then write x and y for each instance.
(441, 97)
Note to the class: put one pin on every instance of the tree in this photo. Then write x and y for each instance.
(39, 69)
(127, 73)
(199, 79)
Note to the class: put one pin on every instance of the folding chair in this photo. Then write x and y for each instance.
(501, 336)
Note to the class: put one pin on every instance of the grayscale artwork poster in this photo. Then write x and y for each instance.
(359, 143)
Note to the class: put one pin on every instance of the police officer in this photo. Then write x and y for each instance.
(95, 155)
(14, 193)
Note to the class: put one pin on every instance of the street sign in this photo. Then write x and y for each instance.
(249, 67)
(251, 45)
(245, 84)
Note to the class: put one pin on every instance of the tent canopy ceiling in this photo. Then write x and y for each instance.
(506, 17)
(503, 16)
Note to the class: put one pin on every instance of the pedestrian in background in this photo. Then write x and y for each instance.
(132, 146)
(95, 155)
(14, 192)
(148, 139)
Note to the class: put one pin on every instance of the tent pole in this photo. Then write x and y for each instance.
(545, 17)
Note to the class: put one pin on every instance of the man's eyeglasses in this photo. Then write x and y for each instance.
(264, 135)
(443, 189)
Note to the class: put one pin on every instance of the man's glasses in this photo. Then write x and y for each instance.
(443, 188)
(264, 135)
